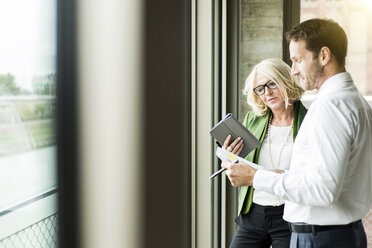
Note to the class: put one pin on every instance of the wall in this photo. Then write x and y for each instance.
(261, 36)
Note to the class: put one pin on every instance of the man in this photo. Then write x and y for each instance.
(328, 187)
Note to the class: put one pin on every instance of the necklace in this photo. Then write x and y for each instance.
(283, 146)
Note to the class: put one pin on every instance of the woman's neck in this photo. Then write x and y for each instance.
(282, 117)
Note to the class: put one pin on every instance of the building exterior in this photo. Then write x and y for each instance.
(355, 16)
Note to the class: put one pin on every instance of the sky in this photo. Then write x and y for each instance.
(27, 39)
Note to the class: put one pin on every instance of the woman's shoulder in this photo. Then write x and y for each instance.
(300, 110)
(301, 106)
(248, 117)
(251, 118)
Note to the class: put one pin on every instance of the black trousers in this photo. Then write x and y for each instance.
(262, 227)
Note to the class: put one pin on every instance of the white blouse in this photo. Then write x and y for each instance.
(278, 136)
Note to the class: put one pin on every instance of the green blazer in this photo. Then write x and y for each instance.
(258, 127)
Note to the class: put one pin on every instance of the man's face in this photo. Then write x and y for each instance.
(304, 66)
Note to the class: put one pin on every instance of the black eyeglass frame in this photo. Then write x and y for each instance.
(264, 87)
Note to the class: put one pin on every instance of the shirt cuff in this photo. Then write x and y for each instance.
(264, 180)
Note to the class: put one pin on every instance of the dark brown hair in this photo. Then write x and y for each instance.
(318, 33)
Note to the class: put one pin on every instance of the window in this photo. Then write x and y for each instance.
(28, 212)
(356, 19)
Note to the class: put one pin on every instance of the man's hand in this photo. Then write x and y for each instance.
(240, 174)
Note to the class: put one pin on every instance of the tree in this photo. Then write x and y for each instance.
(8, 85)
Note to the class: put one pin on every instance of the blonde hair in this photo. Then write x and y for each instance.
(280, 73)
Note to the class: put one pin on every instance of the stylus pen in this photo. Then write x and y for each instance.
(221, 170)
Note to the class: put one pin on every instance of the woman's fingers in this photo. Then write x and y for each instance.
(240, 148)
(237, 145)
(226, 142)
(235, 142)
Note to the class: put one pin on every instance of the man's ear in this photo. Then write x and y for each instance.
(324, 56)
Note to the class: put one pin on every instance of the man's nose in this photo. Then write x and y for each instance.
(294, 70)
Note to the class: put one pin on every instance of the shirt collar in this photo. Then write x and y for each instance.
(334, 82)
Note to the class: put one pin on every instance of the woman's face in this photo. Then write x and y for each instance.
(271, 97)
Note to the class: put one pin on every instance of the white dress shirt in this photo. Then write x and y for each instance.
(329, 181)
(278, 136)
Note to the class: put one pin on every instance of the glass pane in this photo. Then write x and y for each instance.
(28, 207)
(355, 17)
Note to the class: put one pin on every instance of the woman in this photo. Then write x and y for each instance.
(275, 118)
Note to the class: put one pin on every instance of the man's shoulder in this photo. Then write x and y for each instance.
(344, 97)
(347, 105)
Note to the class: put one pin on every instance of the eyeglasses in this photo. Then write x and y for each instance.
(260, 90)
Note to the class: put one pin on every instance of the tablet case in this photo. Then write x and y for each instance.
(230, 125)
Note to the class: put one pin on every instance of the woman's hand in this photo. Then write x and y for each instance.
(235, 147)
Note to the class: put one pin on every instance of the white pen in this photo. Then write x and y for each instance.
(221, 170)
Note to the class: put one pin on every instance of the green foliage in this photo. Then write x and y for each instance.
(8, 85)
(44, 85)
(36, 111)
(43, 132)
